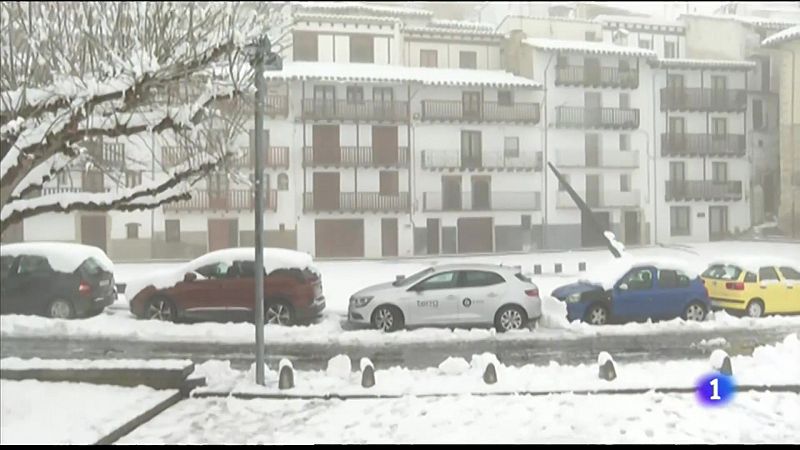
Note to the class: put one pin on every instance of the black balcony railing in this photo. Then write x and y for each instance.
(490, 160)
(442, 110)
(355, 202)
(700, 190)
(380, 111)
(355, 157)
(224, 200)
(702, 144)
(482, 201)
(611, 77)
(703, 99)
(613, 118)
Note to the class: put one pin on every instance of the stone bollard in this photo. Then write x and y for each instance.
(721, 362)
(581, 267)
(367, 373)
(537, 269)
(490, 374)
(558, 267)
(607, 370)
(285, 375)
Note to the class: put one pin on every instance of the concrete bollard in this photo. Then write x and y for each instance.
(581, 267)
(367, 373)
(558, 267)
(490, 374)
(607, 370)
(721, 362)
(285, 375)
(537, 269)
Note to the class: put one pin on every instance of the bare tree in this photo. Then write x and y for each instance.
(77, 72)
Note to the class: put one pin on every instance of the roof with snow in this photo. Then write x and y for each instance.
(747, 20)
(671, 63)
(789, 34)
(376, 73)
(461, 24)
(593, 48)
(455, 27)
(320, 16)
(609, 20)
(363, 7)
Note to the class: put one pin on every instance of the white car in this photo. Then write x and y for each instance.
(456, 294)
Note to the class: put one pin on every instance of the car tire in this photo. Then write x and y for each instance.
(596, 315)
(388, 318)
(278, 313)
(161, 308)
(60, 309)
(755, 308)
(510, 317)
(695, 312)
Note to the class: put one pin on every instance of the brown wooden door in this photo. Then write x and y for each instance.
(471, 149)
(451, 193)
(592, 150)
(93, 231)
(481, 193)
(475, 235)
(593, 191)
(432, 230)
(339, 237)
(222, 233)
(591, 71)
(326, 191)
(389, 182)
(325, 143)
(471, 105)
(389, 237)
(384, 145)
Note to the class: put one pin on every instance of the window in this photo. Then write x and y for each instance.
(511, 147)
(758, 114)
(624, 101)
(133, 178)
(132, 230)
(62, 178)
(428, 58)
(172, 230)
(505, 98)
(669, 50)
(355, 95)
(218, 182)
(719, 126)
(683, 280)
(679, 220)
(767, 273)
(643, 43)
(750, 277)
(561, 61)
(624, 142)
(215, 271)
(475, 278)
(638, 280)
(6, 262)
(443, 280)
(790, 273)
(468, 60)
(283, 182)
(561, 186)
(93, 181)
(245, 269)
(362, 49)
(667, 279)
(722, 272)
(304, 46)
(625, 182)
(590, 36)
(29, 264)
(719, 83)
(719, 172)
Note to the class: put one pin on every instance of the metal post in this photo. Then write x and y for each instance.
(259, 209)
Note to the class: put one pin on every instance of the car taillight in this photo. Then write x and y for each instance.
(735, 286)
(532, 292)
(84, 288)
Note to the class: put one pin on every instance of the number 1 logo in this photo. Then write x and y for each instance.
(715, 389)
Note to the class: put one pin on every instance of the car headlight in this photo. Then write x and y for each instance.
(574, 298)
(359, 302)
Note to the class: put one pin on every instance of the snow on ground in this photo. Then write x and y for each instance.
(37, 363)
(565, 418)
(34, 412)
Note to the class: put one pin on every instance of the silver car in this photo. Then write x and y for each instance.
(454, 294)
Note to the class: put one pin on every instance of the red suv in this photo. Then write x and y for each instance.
(220, 286)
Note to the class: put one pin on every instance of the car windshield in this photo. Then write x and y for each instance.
(413, 278)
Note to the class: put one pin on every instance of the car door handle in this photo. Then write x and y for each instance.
(451, 297)
(492, 295)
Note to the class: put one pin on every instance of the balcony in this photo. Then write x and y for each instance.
(172, 156)
(703, 99)
(355, 157)
(277, 158)
(732, 145)
(703, 190)
(489, 161)
(69, 190)
(351, 202)
(604, 159)
(455, 111)
(605, 77)
(364, 111)
(106, 154)
(473, 201)
(605, 118)
(601, 199)
(230, 200)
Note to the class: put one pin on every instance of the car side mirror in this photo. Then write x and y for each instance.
(399, 278)
(189, 277)
(623, 287)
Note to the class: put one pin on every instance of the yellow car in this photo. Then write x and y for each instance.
(755, 289)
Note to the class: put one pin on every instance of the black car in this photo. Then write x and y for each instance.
(57, 280)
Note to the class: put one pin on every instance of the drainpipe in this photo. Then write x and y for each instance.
(795, 231)
(655, 154)
(544, 154)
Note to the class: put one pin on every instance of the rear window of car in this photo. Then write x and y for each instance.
(5, 265)
(790, 273)
(522, 277)
(477, 278)
(750, 277)
(722, 272)
(92, 267)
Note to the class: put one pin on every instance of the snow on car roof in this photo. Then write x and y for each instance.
(62, 256)
(467, 266)
(753, 263)
(608, 274)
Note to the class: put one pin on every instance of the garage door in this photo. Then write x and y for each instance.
(475, 235)
(339, 238)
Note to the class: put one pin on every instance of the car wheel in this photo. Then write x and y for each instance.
(510, 317)
(387, 318)
(160, 308)
(597, 315)
(278, 313)
(695, 312)
(60, 309)
(755, 308)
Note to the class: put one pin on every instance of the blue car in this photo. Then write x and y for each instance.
(644, 292)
